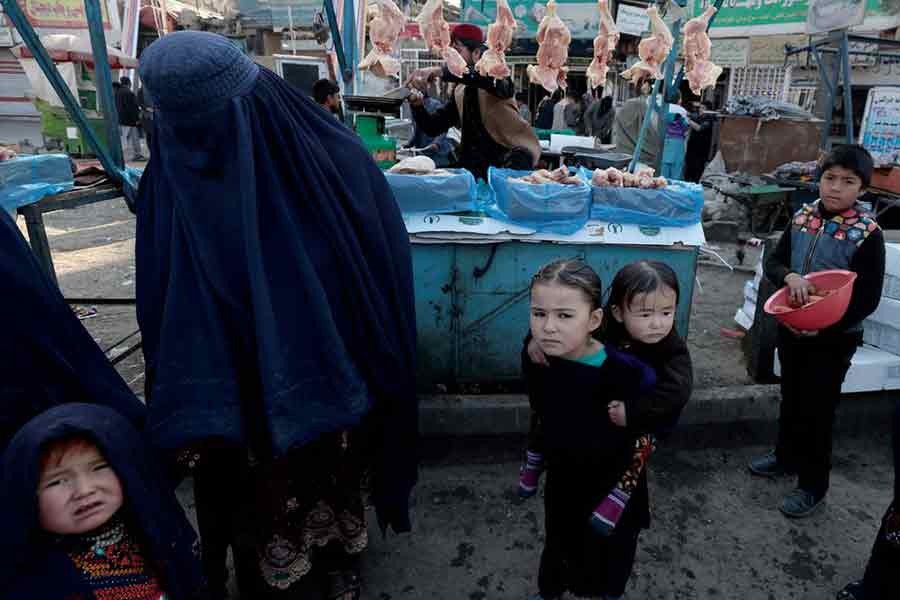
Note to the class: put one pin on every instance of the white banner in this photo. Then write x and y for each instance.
(830, 15)
(632, 20)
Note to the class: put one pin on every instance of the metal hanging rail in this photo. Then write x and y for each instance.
(663, 88)
(838, 42)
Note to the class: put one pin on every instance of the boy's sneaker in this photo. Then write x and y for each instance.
(767, 465)
(800, 503)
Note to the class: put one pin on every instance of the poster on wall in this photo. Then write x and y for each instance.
(580, 16)
(830, 15)
(880, 131)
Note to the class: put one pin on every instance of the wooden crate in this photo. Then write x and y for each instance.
(887, 179)
(756, 147)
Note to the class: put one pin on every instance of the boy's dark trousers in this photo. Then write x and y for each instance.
(812, 372)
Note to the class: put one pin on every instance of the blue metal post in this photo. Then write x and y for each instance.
(669, 84)
(848, 96)
(668, 69)
(349, 35)
(830, 92)
(104, 81)
(644, 125)
(346, 71)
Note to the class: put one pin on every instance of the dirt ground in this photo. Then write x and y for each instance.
(716, 531)
(93, 250)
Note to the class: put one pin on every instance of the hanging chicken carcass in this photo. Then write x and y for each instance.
(700, 72)
(652, 51)
(499, 38)
(553, 39)
(384, 31)
(604, 45)
(436, 32)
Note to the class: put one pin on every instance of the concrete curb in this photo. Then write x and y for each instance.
(504, 414)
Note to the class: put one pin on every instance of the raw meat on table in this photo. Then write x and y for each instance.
(700, 72)
(553, 39)
(499, 37)
(613, 177)
(652, 51)
(604, 45)
(560, 175)
(384, 31)
(436, 32)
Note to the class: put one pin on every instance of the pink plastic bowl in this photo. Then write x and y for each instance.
(825, 312)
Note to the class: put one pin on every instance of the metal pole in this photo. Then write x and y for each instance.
(291, 26)
(848, 96)
(668, 87)
(644, 125)
(104, 80)
(346, 72)
(164, 18)
(350, 44)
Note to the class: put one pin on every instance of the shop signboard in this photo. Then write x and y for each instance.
(632, 19)
(747, 18)
(580, 16)
(731, 52)
(880, 131)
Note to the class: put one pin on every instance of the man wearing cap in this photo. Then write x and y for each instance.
(485, 109)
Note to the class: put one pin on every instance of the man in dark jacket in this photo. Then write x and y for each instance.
(484, 108)
(129, 119)
(145, 104)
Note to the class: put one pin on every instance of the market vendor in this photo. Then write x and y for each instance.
(493, 132)
(627, 123)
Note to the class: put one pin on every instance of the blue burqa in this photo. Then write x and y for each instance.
(34, 564)
(47, 357)
(274, 278)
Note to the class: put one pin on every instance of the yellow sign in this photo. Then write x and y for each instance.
(60, 14)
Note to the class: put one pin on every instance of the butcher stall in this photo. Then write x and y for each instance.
(476, 246)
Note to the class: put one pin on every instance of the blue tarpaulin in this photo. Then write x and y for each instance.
(453, 191)
(552, 207)
(679, 204)
(27, 179)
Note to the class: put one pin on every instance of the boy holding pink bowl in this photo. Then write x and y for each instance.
(834, 233)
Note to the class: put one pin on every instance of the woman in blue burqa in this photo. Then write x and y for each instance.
(275, 300)
(47, 357)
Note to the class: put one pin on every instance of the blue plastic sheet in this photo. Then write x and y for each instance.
(451, 193)
(27, 179)
(677, 205)
(553, 207)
